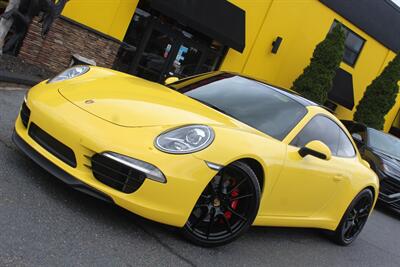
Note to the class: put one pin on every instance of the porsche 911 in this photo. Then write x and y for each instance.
(211, 154)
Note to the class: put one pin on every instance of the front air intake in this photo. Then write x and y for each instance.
(25, 114)
(116, 175)
(52, 145)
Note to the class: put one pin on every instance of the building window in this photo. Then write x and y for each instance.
(353, 45)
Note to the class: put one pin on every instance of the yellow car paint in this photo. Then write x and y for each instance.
(125, 114)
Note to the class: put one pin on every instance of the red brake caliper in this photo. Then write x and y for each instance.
(234, 204)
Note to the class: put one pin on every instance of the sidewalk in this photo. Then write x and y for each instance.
(15, 70)
(5, 86)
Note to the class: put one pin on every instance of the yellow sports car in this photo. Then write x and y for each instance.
(211, 154)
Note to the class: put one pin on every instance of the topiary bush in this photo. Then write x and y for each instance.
(380, 96)
(316, 80)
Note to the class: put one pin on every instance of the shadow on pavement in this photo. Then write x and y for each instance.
(387, 210)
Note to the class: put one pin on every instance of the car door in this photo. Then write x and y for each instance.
(306, 185)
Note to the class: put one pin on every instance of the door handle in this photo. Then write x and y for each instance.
(338, 177)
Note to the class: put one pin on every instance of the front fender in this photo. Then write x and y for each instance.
(234, 144)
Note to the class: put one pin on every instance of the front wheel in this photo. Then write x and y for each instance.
(226, 208)
(354, 219)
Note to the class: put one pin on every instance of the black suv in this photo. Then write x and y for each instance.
(382, 152)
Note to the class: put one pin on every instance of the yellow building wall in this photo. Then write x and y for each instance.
(396, 122)
(111, 17)
(256, 11)
(303, 24)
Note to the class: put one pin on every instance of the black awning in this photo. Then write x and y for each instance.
(218, 19)
(342, 89)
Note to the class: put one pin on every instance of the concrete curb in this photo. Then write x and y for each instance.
(10, 77)
(20, 87)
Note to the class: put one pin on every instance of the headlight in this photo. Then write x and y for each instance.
(387, 168)
(184, 140)
(70, 73)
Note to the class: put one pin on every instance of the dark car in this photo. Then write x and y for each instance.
(382, 151)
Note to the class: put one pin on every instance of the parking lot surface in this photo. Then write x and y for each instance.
(45, 223)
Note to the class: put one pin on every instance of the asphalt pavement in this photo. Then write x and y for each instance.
(45, 223)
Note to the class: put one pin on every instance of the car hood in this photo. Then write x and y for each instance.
(134, 102)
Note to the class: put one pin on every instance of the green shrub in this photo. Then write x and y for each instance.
(316, 80)
(380, 96)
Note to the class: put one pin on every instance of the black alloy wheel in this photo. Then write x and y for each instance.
(354, 219)
(226, 208)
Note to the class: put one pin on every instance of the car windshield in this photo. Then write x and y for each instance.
(385, 143)
(268, 109)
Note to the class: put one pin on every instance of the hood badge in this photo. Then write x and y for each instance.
(90, 101)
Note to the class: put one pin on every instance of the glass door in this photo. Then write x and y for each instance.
(186, 61)
(169, 52)
(194, 57)
(157, 54)
(154, 49)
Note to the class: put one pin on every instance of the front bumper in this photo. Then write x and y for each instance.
(389, 191)
(57, 171)
(170, 203)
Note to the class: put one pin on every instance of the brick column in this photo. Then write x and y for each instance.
(64, 39)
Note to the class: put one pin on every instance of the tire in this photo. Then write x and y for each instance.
(354, 219)
(226, 208)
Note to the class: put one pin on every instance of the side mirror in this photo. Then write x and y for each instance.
(357, 138)
(317, 149)
(170, 80)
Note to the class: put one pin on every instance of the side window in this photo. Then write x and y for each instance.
(322, 129)
(346, 148)
(353, 45)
